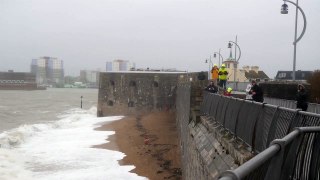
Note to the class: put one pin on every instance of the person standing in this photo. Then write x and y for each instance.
(223, 76)
(215, 74)
(248, 96)
(302, 98)
(256, 92)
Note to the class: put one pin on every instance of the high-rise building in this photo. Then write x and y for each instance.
(109, 66)
(90, 78)
(119, 65)
(48, 71)
(38, 67)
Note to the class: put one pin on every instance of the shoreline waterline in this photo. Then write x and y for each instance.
(62, 149)
(150, 143)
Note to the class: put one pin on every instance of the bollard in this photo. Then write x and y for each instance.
(81, 102)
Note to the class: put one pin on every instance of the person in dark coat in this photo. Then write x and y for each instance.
(211, 87)
(256, 92)
(302, 98)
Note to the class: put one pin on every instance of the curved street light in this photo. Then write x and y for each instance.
(230, 45)
(220, 56)
(236, 61)
(284, 10)
(209, 63)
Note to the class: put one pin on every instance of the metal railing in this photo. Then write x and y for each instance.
(313, 107)
(258, 125)
(284, 158)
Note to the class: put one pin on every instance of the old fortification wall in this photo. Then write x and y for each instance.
(123, 93)
(206, 151)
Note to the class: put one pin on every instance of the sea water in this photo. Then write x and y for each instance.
(46, 135)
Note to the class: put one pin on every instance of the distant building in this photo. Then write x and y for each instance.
(90, 78)
(17, 81)
(119, 65)
(157, 70)
(38, 67)
(245, 74)
(253, 72)
(300, 75)
(68, 80)
(109, 66)
(48, 71)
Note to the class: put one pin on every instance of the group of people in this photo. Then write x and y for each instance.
(219, 75)
(254, 92)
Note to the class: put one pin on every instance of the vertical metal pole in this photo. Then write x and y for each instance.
(81, 102)
(210, 62)
(235, 63)
(219, 56)
(208, 68)
(295, 44)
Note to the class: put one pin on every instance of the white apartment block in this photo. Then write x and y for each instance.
(48, 71)
(119, 65)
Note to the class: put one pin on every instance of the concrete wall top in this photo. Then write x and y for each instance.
(147, 72)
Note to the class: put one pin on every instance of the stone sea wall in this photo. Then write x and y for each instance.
(123, 93)
(205, 150)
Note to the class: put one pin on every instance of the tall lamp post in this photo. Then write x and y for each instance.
(236, 60)
(284, 10)
(210, 63)
(220, 56)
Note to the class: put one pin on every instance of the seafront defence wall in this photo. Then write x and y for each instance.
(124, 93)
(217, 133)
(206, 151)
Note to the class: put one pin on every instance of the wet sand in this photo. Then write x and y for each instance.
(150, 143)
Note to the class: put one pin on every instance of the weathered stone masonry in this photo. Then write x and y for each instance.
(206, 149)
(135, 92)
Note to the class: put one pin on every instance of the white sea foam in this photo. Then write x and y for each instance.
(61, 150)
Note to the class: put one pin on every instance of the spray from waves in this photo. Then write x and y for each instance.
(70, 118)
(61, 150)
(12, 166)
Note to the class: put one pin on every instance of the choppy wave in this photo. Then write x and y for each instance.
(14, 137)
(61, 150)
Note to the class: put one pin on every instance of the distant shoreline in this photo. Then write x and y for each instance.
(21, 88)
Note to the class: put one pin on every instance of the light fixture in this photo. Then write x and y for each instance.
(284, 9)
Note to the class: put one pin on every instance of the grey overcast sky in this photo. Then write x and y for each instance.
(155, 33)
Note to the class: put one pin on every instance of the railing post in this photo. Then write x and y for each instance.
(291, 157)
(229, 175)
(274, 169)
